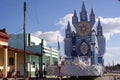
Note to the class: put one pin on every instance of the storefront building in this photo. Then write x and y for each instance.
(36, 45)
(3, 52)
(11, 58)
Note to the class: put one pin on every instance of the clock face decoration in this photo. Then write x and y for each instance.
(83, 29)
(84, 48)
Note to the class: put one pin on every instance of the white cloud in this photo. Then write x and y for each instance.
(111, 26)
(50, 37)
(63, 21)
(112, 54)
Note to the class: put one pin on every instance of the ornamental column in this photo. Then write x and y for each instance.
(15, 61)
(5, 61)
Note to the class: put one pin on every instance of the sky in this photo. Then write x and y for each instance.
(47, 19)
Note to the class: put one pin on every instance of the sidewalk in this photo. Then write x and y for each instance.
(30, 79)
(34, 78)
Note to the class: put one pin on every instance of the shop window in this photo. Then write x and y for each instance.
(11, 61)
(32, 44)
(33, 64)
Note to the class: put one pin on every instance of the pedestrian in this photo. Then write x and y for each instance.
(13, 73)
(39, 73)
(26, 76)
(5, 79)
(44, 72)
(36, 73)
(1, 74)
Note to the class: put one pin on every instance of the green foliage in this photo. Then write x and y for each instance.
(113, 67)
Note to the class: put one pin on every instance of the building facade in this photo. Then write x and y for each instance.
(36, 45)
(11, 58)
(3, 51)
(81, 40)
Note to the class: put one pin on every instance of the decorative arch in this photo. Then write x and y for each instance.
(84, 48)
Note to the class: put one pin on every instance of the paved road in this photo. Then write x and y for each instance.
(109, 76)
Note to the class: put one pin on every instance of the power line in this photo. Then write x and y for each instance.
(17, 31)
(35, 17)
(36, 14)
(20, 30)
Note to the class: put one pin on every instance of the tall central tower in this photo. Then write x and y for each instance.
(85, 42)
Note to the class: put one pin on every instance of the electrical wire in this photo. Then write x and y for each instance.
(36, 14)
(18, 31)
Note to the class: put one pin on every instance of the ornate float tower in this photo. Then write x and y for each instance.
(84, 41)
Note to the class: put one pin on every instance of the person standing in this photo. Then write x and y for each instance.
(1, 74)
(36, 73)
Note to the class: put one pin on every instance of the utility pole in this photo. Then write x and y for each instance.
(24, 34)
